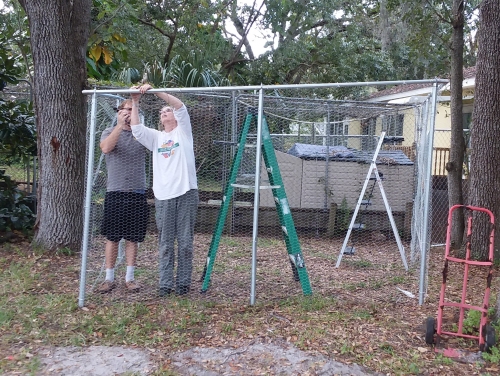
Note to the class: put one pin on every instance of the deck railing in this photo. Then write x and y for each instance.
(440, 157)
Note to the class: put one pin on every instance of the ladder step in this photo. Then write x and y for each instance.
(349, 250)
(359, 226)
(235, 203)
(375, 178)
(365, 202)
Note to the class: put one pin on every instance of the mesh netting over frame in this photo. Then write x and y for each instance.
(323, 149)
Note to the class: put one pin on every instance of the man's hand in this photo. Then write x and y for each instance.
(136, 96)
(145, 87)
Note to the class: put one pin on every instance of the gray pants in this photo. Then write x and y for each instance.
(175, 219)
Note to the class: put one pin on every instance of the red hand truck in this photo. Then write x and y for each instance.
(486, 335)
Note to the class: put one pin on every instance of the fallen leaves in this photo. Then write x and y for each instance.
(356, 314)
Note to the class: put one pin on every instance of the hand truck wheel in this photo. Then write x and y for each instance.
(489, 338)
(430, 330)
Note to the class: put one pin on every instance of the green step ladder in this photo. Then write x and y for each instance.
(285, 216)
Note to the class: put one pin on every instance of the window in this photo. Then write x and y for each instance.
(467, 126)
(339, 132)
(467, 121)
(393, 125)
(368, 142)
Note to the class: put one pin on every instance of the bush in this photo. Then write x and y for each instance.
(343, 217)
(17, 208)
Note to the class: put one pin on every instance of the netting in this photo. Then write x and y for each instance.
(318, 154)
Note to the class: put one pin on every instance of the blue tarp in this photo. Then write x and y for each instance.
(342, 153)
(308, 151)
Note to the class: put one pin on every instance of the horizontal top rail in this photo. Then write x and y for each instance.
(268, 87)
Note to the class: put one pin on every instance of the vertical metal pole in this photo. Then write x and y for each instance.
(234, 148)
(33, 188)
(416, 129)
(418, 204)
(28, 179)
(234, 124)
(256, 202)
(86, 223)
(34, 192)
(427, 196)
(327, 158)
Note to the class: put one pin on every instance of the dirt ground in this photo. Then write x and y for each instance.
(372, 286)
(255, 358)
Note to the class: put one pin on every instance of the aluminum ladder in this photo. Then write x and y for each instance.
(373, 169)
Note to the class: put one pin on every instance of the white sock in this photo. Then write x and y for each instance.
(130, 274)
(110, 275)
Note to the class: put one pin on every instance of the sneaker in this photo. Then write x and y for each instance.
(106, 287)
(165, 291)
(132, 286)
(182, 290)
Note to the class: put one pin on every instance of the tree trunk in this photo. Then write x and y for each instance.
(455, 164)
(59, 34)
(385, 37)
(485, 158)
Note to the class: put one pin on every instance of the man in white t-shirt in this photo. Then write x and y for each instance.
(174, 185)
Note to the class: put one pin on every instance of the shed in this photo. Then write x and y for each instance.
(314, 181)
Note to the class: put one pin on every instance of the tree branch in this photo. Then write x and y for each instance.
(161, 31)
(244, 30)
(108, 19)
(437, 14)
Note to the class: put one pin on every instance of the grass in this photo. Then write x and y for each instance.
(17, 171)
(359, 264)
(38, 307)
(230, 242)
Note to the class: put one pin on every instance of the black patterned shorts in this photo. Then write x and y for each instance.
(126, 216)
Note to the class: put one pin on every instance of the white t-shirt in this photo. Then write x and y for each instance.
(174, 169)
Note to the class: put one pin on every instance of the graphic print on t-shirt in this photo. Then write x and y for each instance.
(167, 149)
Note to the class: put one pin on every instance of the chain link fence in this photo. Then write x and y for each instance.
(320, 160)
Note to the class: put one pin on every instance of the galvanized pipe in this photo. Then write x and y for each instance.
(256, 201)
(427, 189)
(86, 225)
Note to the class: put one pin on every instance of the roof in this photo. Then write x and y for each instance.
(397, 89)
(418, 89)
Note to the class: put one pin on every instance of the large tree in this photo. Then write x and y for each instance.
(430, 26)
(454, 165)
(485, 157)
(59, 32)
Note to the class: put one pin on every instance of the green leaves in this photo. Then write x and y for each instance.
(182, 73)
(17, 123)
(15, 212)
(17, 130)
(9, 68)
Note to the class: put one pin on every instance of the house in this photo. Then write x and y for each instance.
(415, 93)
